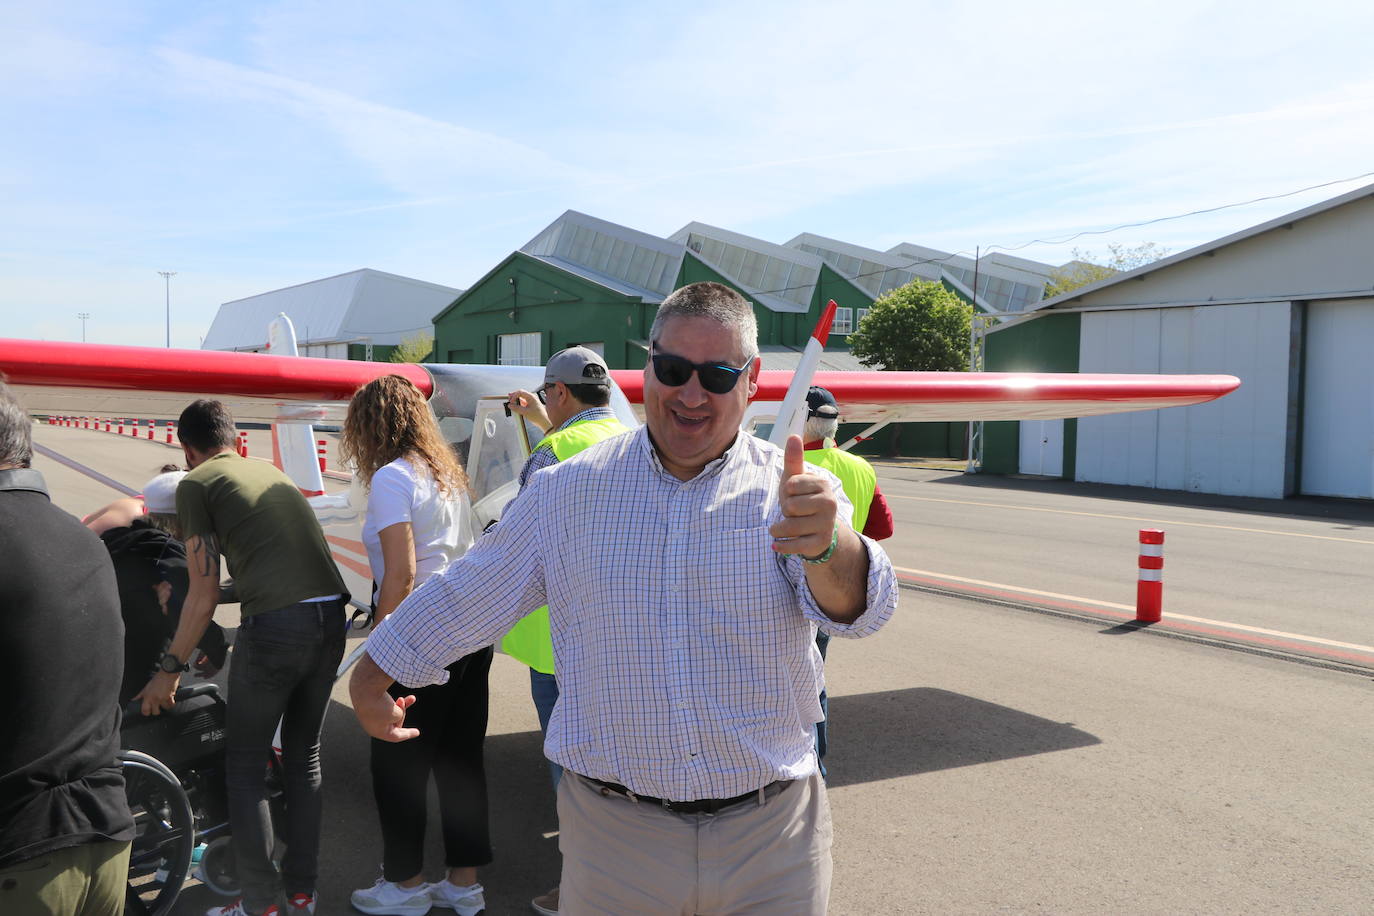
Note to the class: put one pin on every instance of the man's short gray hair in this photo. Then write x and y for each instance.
(819, 428)
(718, 302)
(16, 430)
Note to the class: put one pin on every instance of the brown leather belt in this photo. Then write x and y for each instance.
(699, 806)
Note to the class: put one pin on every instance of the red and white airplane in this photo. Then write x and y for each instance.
(95, 380)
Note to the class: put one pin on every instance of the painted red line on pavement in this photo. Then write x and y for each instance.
(1299, 648)
(356, 546)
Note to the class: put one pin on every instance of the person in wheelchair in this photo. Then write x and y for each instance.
(150, 566)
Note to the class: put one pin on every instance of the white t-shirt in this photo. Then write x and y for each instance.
(441, 525)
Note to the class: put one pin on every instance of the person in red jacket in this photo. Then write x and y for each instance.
(860, 484)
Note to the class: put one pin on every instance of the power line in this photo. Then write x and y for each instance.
(1149, 222)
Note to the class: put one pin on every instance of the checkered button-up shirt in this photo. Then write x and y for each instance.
(683, 643)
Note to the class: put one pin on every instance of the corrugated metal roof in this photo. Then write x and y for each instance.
(776, 356)
(384, 308)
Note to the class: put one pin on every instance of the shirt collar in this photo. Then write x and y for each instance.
(23, 479)
(712, 468)
(591, 413)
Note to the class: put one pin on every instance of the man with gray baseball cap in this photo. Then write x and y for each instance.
(571, 409)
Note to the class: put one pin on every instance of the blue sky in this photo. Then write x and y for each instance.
(255, 145)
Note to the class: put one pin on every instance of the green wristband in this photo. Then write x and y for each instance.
(829, 551)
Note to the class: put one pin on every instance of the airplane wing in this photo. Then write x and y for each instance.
(151, 382)
(872, 397)
(156, 383)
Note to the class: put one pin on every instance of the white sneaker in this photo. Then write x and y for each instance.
(236, 909)
(387, 899)
(301, 904)
(465, 901)
(546, 904)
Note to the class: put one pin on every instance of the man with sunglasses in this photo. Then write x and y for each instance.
(686, 568)
(571, 409)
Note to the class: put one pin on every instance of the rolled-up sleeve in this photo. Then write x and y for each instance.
(880, 598)
(471, 604)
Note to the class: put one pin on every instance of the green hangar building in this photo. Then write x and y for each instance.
(585, 281)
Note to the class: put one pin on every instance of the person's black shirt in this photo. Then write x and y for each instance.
(144, 555)
(60, 669)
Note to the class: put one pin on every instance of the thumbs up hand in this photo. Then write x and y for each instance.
(808, 507)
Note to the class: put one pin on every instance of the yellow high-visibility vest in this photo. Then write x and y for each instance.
(856, 475)
(530, 641)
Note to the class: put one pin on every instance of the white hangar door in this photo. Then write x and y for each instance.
(1042, 447)
(1338, 400)
(1235, 445)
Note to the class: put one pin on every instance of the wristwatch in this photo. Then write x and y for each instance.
(171, 664)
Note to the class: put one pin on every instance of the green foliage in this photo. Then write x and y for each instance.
(414, 349)
(1083, 270)
(918, 327)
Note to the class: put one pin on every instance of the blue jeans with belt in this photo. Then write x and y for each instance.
(544, 692)
(283, 670)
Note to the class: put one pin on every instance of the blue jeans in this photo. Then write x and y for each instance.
(544, 692)
(282, 670)
(822, 736)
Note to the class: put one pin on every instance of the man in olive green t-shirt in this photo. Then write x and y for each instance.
(288, 647)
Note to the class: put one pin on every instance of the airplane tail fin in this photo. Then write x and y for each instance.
(293, 444)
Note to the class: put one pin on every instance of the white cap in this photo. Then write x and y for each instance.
(160, 493)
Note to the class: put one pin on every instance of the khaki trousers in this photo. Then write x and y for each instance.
(85, 880)
(624, 857)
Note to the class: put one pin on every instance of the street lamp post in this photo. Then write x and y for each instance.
(167, 276)
(83, 316)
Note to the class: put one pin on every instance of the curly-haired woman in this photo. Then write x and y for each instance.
(418, 521)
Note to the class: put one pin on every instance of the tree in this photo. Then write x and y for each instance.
(921, 326)
(1083, 270)
(414, 349)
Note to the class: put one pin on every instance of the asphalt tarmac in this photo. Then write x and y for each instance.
(1009, 743)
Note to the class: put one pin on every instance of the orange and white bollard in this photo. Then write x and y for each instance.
(150, 430)
(169, 432)
(243, 443)
(1149, 590)
(107, 425)
(322, 449)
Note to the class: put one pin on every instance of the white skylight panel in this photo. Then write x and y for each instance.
(640, 268)
(775, 276)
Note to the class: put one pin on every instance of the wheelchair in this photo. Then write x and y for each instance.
(174, 779)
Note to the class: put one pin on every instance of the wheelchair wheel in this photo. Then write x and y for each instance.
(216, 870)
(164, 834)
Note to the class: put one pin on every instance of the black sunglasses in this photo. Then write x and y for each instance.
(539, 392)
(674, 371)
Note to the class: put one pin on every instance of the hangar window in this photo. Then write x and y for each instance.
(518, 350)
(844, 321)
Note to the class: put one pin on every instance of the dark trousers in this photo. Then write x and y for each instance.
(282, 671)
(452, 719)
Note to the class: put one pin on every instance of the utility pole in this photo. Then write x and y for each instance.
(167, 276)
(83, 316)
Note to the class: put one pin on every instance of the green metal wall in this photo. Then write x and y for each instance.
(524, 295)
(1048, 344)
(381, 353)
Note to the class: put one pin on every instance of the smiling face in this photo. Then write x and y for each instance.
(690, 426)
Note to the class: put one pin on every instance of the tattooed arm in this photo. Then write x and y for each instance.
(202, 566)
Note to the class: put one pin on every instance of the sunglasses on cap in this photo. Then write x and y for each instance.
(674, 371)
